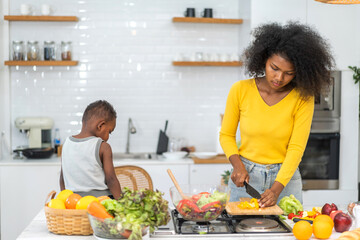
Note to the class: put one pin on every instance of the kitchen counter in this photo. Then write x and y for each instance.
(37, 229)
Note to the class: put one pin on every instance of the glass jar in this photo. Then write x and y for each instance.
(49, 50)
(66, 51)
(18, 50)
(33, 51)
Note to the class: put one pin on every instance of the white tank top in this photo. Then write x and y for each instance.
(81, 164)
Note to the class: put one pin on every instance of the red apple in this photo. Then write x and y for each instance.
(342, 222)
(333, 213)
(327, 208)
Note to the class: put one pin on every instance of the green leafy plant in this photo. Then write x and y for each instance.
(225, 176)
(356, 77)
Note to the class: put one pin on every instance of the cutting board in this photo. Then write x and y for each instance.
(232, 209)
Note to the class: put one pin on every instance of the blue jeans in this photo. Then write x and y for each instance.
(262, 177)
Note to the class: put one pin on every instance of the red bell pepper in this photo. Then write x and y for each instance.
(196, 197)
(208, 206)
(185, 206)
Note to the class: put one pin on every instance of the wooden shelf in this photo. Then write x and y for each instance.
(41, 63)
(219, 64)
(219, 159)
(207, 20)
(41, 18)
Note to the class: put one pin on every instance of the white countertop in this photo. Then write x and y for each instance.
(37, 230)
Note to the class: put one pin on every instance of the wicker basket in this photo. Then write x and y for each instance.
(67, 221)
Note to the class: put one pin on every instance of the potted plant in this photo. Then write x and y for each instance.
(356, 77)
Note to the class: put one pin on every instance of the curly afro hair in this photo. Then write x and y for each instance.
(302, 46)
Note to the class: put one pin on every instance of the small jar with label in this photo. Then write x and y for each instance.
(49, 51)
(66, 50)
(18, 50)
(33, 51)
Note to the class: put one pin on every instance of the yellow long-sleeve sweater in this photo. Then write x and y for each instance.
(269, 134)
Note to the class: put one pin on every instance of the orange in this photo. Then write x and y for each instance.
(325, 218)
(72, 200)
(64, 194)
(323, 226)
(102, 198)
(56, 203)
(84, 202)
(302, 230)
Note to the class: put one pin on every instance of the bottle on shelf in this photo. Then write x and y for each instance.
(49, 51)
(66, 51)
(33, 51)
(57, 140)
(18, 50)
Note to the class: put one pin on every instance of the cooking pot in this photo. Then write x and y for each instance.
(36, 152)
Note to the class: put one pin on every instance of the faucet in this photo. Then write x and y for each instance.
(131, 130)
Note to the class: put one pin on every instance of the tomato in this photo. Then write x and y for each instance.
(291, 215)
(72, 200)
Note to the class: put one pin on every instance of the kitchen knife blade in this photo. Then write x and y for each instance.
(252, 191)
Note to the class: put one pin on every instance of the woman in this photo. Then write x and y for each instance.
(290, 65)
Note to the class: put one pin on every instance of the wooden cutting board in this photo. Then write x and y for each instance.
(232, 209)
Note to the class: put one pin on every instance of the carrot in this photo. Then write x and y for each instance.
(96, 209)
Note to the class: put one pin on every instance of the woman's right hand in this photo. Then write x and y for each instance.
(239, 174)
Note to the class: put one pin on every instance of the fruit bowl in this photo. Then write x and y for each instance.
(206, 202)
(111, 228)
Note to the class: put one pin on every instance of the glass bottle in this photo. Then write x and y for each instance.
(49, 50)
(57, 140)
(66, 51)
(18, 50)
(33, 51)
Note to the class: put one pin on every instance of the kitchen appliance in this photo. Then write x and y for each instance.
(319, 167)
(163, 141)
(37, 129)
(225, 226)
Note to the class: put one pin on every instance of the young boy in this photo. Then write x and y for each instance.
(86, 159)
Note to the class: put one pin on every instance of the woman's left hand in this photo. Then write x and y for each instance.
(268, 198)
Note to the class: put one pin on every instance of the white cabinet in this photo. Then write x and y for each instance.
(207, 173)
(23, 194)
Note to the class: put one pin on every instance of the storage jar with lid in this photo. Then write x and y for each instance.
(66, 50)
(33, 51)
(49, 50)
(18, 50)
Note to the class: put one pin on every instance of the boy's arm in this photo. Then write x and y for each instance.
(110, 176)
(62, 184)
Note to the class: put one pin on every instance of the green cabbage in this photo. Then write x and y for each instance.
(289, 204)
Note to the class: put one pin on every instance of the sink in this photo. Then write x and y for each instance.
(134, 155)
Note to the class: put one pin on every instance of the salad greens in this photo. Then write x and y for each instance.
(216, 196)
(289, 204)
(136, 210)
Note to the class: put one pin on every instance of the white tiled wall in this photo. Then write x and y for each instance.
(125, 49)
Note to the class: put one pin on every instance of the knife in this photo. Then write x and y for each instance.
(252, 191)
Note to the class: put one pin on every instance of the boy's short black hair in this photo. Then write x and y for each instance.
(99, 109)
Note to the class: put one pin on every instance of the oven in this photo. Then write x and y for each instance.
(319, 167)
